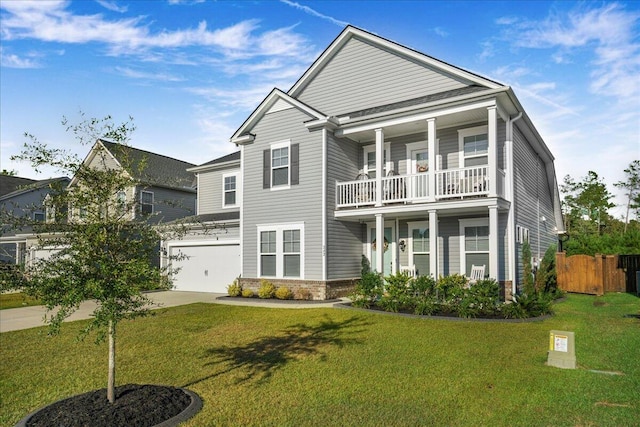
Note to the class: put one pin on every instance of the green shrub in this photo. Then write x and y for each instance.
(537, 304)
(234, 289)
(546, 277)
(247, 293)
(267, 289)
(425, 305)
(450, 289)
(283, 293)
(422, 285)
(368, 290)
(397, 285)
(366, 265)
(480, 299)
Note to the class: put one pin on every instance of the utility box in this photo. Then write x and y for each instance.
(562, 350)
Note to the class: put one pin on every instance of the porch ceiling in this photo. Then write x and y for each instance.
(417, 125)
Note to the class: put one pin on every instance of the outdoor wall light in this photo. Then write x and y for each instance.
(402, 244)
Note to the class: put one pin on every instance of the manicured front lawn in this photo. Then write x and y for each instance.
(17, 299)
(260, 366)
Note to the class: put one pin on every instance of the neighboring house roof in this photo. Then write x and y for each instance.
(210, 217)
(29, 185)
(159, 170)
(9, 184)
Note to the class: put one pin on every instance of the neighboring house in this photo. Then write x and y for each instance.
(23, 198)
(207, 259)
(168, 192)
(383, 152)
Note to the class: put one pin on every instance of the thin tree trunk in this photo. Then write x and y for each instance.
(112, 363)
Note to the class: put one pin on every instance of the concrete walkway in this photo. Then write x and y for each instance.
(14, 319)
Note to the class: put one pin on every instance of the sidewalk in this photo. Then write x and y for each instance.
(14, 319)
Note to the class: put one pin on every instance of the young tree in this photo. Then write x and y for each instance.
(632, 189)
(587, 203)
(104, 251)
(528, 285)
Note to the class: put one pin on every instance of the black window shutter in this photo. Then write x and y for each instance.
(266, 168)
(295, 164)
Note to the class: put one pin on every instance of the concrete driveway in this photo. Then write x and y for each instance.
(14, 319)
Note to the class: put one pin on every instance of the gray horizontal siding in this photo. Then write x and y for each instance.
(169, 204)
(344, 239)
(210, 191)
(361, 75)
(300, 203)
(533, 199)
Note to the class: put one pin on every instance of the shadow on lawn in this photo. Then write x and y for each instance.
(259, 359)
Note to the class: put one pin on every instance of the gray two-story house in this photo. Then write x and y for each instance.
(384, 152)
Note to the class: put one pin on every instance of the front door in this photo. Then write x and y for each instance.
(388, 246)
(420, 167)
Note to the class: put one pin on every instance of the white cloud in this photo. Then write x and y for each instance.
(112, 6)
(608, 33)
(315, 13)
(10, 60)
(136, 74)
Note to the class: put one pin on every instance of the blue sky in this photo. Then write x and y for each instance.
(190, 71)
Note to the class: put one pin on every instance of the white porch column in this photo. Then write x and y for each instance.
(493, 242)
(379, 165)
(433, 243)
(431, 144)
(492, 135)
(379, 261)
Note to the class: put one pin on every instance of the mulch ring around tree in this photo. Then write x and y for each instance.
(135, 405)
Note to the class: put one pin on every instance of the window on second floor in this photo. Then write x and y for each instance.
(39, 216)
(280, 165)
(229, 190)
(146, 202)
(474, 146)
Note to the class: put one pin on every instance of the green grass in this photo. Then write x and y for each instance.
(279, 367)
(17, 299)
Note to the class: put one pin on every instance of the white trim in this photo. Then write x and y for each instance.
(462, 133)
(276, 146)
(224, 191)
(279, 229)
(185, 243)
(241, 223)
(471, 222)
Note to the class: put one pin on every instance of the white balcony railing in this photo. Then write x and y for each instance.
(450, 183)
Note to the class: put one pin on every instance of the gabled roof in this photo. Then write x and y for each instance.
(9, 184)
(158, 170)
(229, 158)
(243, 135)
(25, 185)
(351, 32)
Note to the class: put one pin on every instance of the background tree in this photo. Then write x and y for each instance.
(631, 186)
(586, 203)
(104, 251)
(8, 172)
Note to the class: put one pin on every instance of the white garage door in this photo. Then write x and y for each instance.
(208, 268)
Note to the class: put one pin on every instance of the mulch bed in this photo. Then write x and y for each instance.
(135, 406)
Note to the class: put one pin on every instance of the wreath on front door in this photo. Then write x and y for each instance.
(386, 244)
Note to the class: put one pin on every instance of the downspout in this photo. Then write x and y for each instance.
(324, 204)
(510, 196)
(242, 212)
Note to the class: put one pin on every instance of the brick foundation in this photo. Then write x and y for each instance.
(317, 289)
(506, 289)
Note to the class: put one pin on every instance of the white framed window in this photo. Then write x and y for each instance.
(229, 190)
(280, 171)
(146, 202)
(281, 251)
(473, 144)
(369, 157)
(419, 247)
(474, 244)
(522, 234)
(121, 201)
(281, 166)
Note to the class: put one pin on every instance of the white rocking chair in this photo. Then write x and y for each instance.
(408, 270)
(477, 273)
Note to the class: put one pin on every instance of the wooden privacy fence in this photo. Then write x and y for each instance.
(590, 274)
